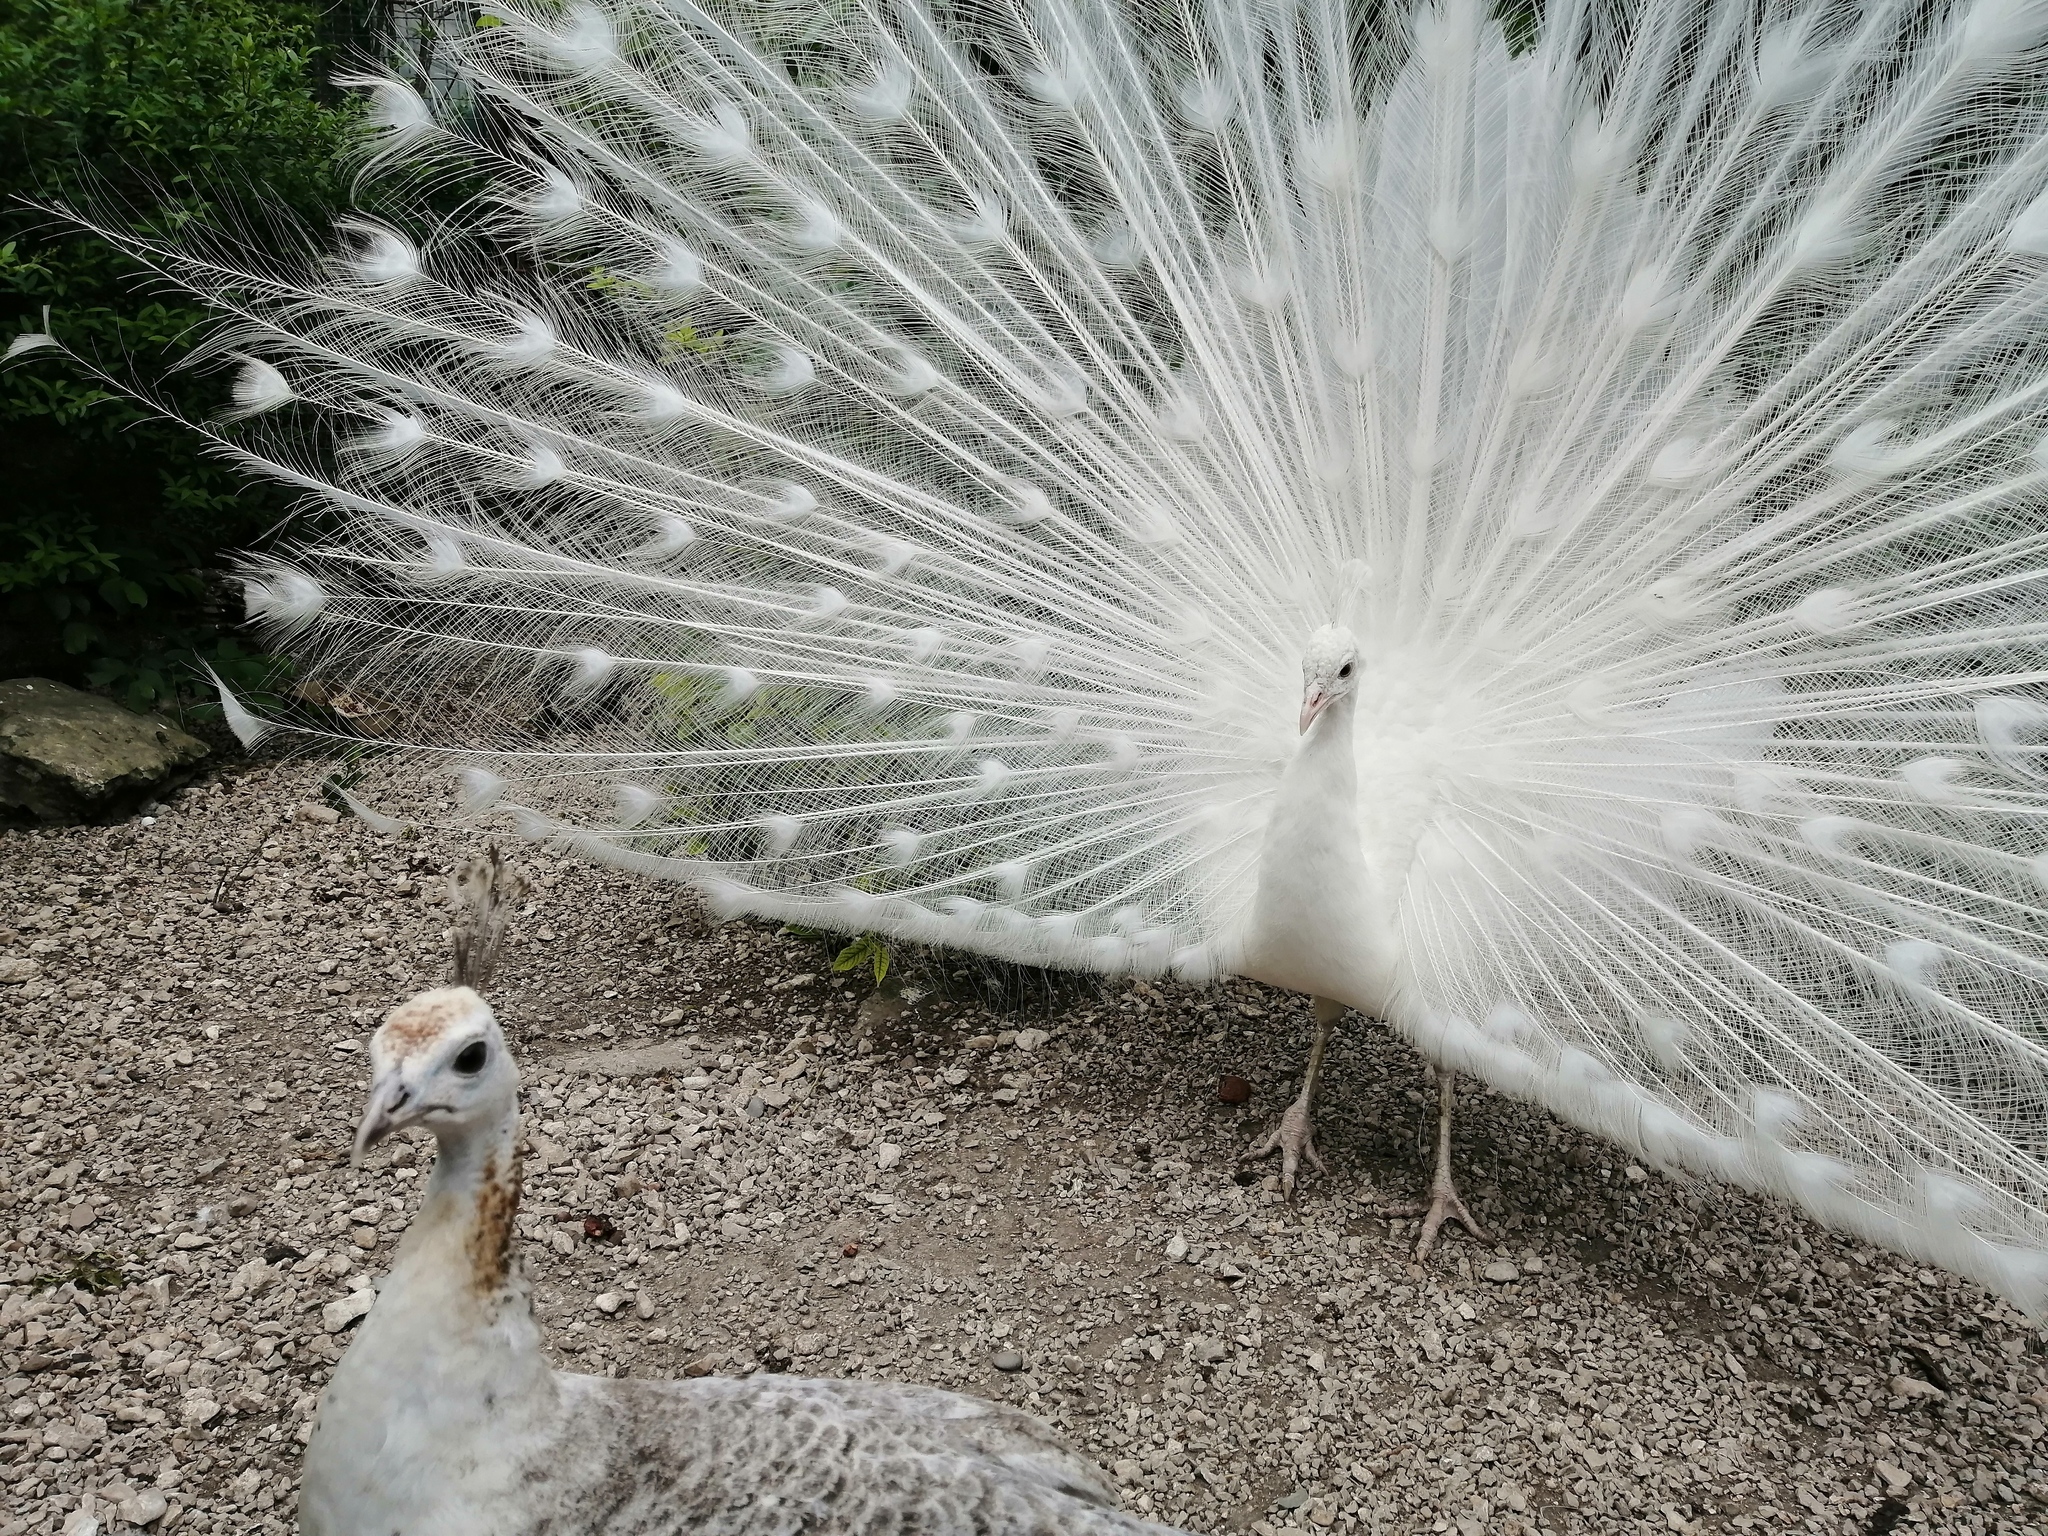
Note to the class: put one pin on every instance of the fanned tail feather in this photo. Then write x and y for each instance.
(885, 473)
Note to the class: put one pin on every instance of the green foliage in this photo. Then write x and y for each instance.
(155, 114)
(867, 949)
(862, 949)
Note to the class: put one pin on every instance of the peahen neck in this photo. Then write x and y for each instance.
(1314, 926)
(449, 1356)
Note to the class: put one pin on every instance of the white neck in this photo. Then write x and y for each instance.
(448, 1358)
(1315, 927)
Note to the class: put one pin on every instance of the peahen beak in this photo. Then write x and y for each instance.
(390, 1099)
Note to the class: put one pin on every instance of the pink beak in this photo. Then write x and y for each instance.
(1311, 707)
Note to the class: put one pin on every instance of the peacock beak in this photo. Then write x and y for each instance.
(1311, 706)
(390, 1101)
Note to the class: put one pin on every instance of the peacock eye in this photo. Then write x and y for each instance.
(1345, 670)
(472, 1059)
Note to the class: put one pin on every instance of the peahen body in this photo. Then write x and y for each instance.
(445, 1419)
(911, 468)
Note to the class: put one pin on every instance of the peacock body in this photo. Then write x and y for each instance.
(886, 464)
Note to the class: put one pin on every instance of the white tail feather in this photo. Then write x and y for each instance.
(921, 490)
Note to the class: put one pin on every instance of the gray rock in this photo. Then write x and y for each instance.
(1008, 1360)
(1501, 1271)
(67, 756)
(198, 1411)
(337, 1315)
(144, 1508)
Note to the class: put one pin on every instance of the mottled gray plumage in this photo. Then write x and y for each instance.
(444, 1418)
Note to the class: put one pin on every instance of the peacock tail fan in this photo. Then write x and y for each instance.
(880, 463)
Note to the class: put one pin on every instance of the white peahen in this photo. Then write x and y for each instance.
(891, 465)
(444, 1417)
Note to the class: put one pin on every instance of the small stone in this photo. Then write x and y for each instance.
(1501, 1271)
(1293, 1500)
(159, 1293)
(1233, 1090)
(1322, 1515)
(1914, 1387)
(1531, 1264)
(79, 1217)
(978, 1043)
(319, 815)
(244, 1205)
(144, 1508)
(1007, 1360)
(198, 1411)
(1897, 1480)
(1176, 1248)
(609, 1302)
(1128, 1472)
(15, 968)
(81, 1522)
(1032, 1039)
(703, 1367)
(364, 1238)
(851, 1250)
(337, 1315)
(1634, 1174)
(643, 1306)
(254, 1277)
(888, 1155)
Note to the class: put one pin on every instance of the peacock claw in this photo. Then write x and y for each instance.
(1293, 1138)
(1444, 1205)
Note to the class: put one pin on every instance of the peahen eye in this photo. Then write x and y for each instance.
(1345, 670)
(472, 1059)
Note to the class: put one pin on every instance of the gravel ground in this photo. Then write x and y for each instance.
(737, 1164)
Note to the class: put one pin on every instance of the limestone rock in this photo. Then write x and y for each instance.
(67, 756)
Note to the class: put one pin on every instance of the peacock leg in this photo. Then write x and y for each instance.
(1444, 1204)
(1295, 1136)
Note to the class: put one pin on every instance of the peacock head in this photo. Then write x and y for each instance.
(438, 1061)
(1329, 671)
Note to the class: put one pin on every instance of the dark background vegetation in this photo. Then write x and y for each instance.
(154, 114)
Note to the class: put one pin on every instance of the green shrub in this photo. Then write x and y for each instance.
(169, 111)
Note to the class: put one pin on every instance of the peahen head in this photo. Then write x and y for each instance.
(438, 1061)
(1329, 671)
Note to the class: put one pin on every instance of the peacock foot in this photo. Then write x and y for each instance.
(1293, 1138)
(1444, 1205)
